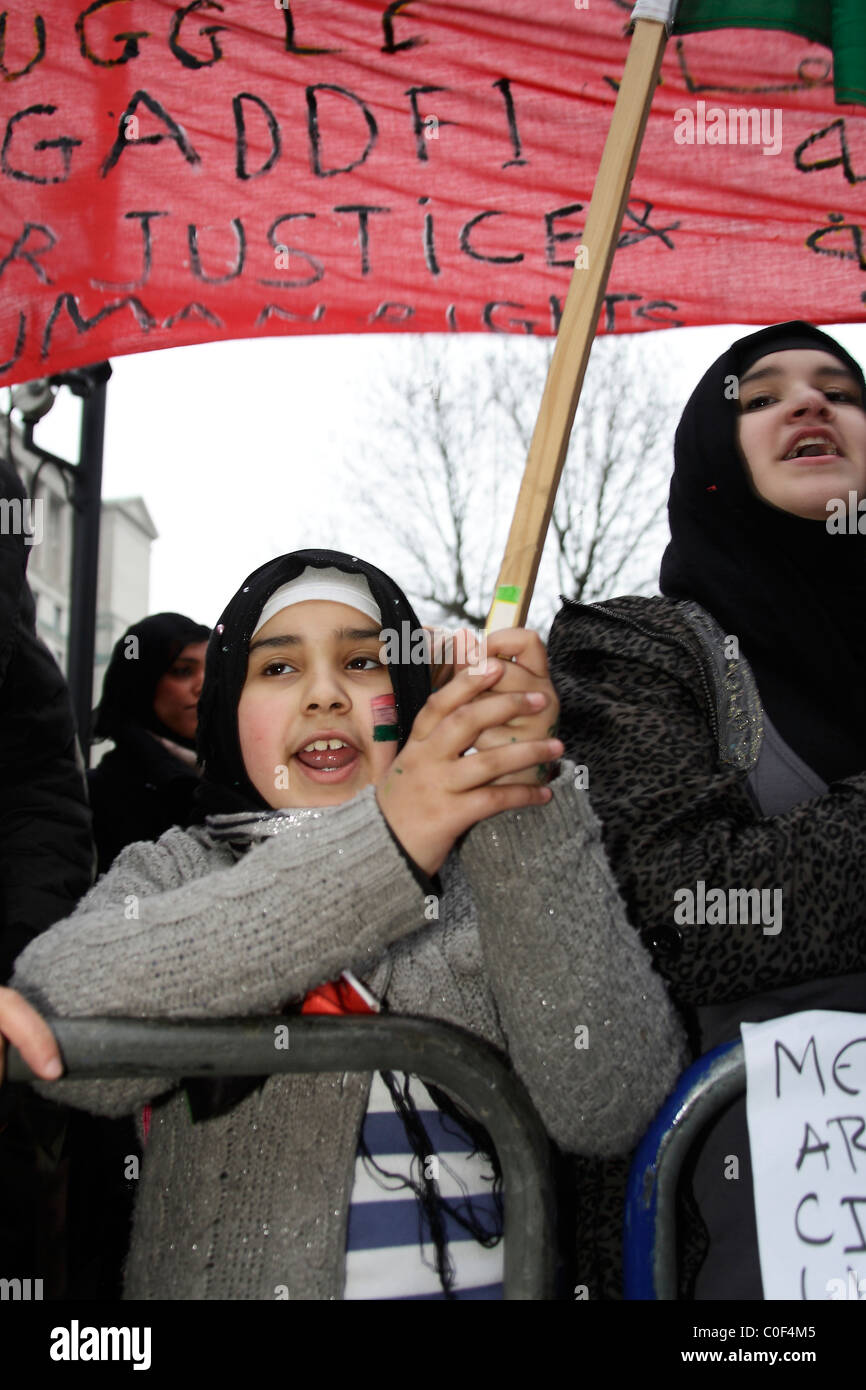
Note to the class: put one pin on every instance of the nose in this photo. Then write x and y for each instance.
(197, 682)
(325, 692)
(809, 400)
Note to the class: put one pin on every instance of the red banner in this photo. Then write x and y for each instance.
(238, 168)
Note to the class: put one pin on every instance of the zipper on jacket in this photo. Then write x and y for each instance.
(672, 642)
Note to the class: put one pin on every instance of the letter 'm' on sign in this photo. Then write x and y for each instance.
(799, 1066)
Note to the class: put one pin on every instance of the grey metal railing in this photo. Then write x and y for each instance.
(468, 1068)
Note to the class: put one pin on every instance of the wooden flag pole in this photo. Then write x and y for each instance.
(577, 328)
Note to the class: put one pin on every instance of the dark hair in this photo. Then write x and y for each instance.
(140, 658)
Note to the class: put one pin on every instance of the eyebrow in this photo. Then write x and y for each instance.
(763, 372)
(342, 634)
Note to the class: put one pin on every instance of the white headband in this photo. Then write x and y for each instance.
(336, 586)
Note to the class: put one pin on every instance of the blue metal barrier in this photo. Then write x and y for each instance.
(468, 1068)
(650, 1257)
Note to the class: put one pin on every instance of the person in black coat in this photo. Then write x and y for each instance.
(46, 847)
(723, 730)
(149, 707)
(46, 865)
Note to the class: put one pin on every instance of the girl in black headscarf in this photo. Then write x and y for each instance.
(756, 551)
(149, 708)
(724, 728)
(350, 857)
(226, 785)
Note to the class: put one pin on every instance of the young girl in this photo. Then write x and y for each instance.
(724, 727)
(335, 786)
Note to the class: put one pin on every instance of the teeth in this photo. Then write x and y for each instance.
(321, 745)
(813, 439)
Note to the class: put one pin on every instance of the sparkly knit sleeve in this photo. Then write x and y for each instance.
(177, 930)
(590, 1028)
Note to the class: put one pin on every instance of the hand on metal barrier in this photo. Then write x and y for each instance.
(27, 1030)
(470, 1069)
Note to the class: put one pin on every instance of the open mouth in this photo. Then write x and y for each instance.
(813, 446)
(328, 759)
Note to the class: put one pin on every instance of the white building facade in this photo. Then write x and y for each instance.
(127, 533)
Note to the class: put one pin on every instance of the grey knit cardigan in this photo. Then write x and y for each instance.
(531, 943)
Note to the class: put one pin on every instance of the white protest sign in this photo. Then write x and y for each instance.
(806, 1110)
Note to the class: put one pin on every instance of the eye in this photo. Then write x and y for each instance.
(839, 393)
(276, 668)
(757, 402)
(363, 663)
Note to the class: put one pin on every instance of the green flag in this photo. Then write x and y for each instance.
(840, 24)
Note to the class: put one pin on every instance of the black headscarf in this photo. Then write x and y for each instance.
(225, 786)
(793, 593)
(140, 658)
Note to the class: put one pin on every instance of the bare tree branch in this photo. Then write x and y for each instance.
(453, 445)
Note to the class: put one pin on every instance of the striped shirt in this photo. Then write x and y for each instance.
(390, 1253)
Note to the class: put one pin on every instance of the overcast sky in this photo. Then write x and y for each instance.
(245, 450)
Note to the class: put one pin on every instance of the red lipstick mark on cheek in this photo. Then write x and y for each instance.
(384, 710)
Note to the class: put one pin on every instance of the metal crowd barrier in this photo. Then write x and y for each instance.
(468, 1068)
(650, 1253)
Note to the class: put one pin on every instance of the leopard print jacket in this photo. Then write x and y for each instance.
(666, 719)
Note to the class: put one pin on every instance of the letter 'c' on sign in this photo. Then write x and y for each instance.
(810, 1240)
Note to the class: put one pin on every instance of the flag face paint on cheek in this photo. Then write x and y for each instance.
(384, 709)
